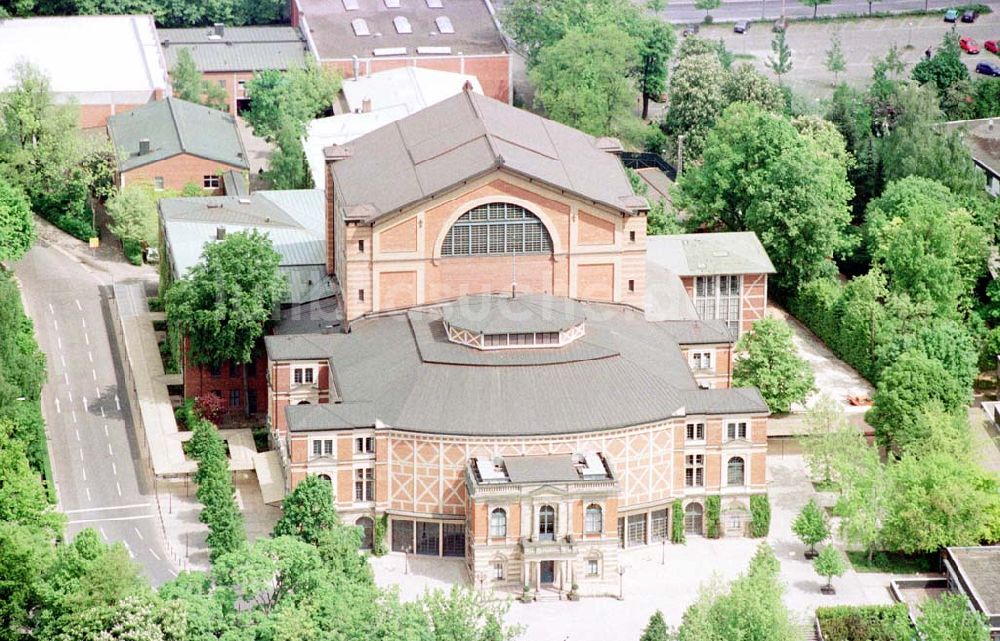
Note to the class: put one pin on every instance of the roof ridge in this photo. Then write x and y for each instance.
(497, 158)
(177, 124)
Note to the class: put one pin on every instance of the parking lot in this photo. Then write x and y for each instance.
(862, 41)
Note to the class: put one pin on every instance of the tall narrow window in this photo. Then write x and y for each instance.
(364, 484)
(546, 523)
(498, 523)
(694, 470)
(694, 432)
(593, 520)
(735, 471)
(718, 298)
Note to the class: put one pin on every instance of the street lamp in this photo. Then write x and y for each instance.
(621, 582)
(663, 551)
(481, 577)
(406, 559)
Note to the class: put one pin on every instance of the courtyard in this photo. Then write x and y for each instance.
(666, 577)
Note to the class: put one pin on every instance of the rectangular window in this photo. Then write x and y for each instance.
(302, 375)
(210, 182)
(361, 295)
(718, 298)
(328, 447)
(323, 447)
(593, 567)
(694, 470)
(234, 398)
(234, 370)
(636, 529)
(402, 536)
(700, 360)
(317, 448)
(658, 526)
(453, 543)
(158, 183)
(361, 246)
(736, 430)
(364, 484)
(308, 375)
(631, 285)
(498, 571)
(694, 432)
(428, 538)
(215, 370)
(364, 445)
(631, 236)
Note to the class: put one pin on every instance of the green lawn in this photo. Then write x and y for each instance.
(893, 562)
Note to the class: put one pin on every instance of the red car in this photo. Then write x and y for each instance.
(968, 45)
(991, 46)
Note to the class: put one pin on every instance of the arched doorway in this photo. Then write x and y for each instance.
(367, 526)
(694, 519)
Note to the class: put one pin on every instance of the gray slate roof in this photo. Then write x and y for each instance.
(698, 332)
(239, 49)
(505, 315)
(710, 253)
(640, 377)
(981, 569)
(465, 136)
(294, 220)
(541, 469)
(174, 126)
(307, 418)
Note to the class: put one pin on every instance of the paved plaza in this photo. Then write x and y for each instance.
(666, 578)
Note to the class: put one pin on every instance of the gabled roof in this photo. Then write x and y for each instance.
(174, 126)
(466, 136)
(708, 254)
(238, 48)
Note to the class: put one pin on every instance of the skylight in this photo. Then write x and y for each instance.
(402, 25)
(434, 4)
(391, 4)
(444, 24)
(360, 27)
(350, 5)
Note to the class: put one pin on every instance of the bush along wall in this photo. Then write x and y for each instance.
(713, 517)
(677, 523)
(760, 515)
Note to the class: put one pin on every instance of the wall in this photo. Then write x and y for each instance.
(754, 295)
(492, 70)
(594, 255)
(720, 374)
(199, 381)
(177, 171)
(230, 82)
(93, 116)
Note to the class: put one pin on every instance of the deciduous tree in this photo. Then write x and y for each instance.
(290, 98)
(17, 227)
(190, 85)
(746, 84)
(835, 61)
(769, 361)
(308, 510)
(815, 4)
(811, 526)
(133, 214)
(780, 60)
(950, 618)
(656, 629)
(830, 563)
(696, 101)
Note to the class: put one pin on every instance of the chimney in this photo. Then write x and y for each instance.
(219, 29)
(144, 146)
(220, 232)
(356, 64)
(467, 87)
(366, 106)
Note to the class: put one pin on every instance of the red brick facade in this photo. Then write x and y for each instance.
(226, 382)
(177, 171)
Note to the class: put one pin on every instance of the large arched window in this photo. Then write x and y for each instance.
(735, 471)
(498, 523)
(593, 519)
(546, 523)
(497, 228)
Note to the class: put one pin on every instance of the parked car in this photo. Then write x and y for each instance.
(969, 15)
(690, 30)
(988, 68)
(780, 25)
(951, 15)
(741, 27)
(968, 45)
(991, 46)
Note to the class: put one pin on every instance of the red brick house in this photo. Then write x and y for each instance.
(172, 143)
(366, 36)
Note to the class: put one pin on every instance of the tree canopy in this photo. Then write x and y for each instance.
(17, 227)
(308, 511)
(769, 361)
(188, 83)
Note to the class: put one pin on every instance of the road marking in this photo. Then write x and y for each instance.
(103, 416)
(118, 404)
(62, 359)
(90, 355)
(73, 412)
(93, 373)
(69, 393)
(98, 389)
(56, 323)
(86, 337)
(101, 530)
(77, 435)
(88, 492)
(84, 321)
(81, 453)
(109, 507)
(119, 486)
(109, 450)
(114, 468)
(172, 572)
(127, 547)
(112, 518)
(84, 471)
(83, 399)
(51, 310)
(59, 342)
(155, 555)
(78, 304)
(139, 534)
(58, 408)
(66, 377)
(105, 429)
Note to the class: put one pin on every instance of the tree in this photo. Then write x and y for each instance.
(759, 174)
(290, 98)
(308, 510)
(656, 629)
(287, 165)
(746, 84)
(215, 491)
(579, 79)
(943, 339)
(769, 361)
(949, 617)
(945, 69)
(17, 227)
(835, 62)
(190, 85)
(780, 60)
(907, 388)
(225, 301)
(656, 45)
(827, 436)
(707, 5)
(133, 214)
(815, 4)
(22, 496)
(811, 526)
(864, 494)
(696, 101)
(828, 564)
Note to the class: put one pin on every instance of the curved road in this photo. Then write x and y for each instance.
(100, 479)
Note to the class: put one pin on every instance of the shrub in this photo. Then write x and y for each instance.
(677, 522)
(713, 517)
(76, 227)
(211, 408)
(868, 622)
(760, 515)
(379, 547)
(133, 251)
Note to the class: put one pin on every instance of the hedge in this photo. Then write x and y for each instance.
(713, 517)
(760, 515)
(865, 623)
(677, 523)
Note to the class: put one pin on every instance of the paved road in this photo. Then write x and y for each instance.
(680, 11)
(101, 482)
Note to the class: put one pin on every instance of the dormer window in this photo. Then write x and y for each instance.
(302, 375)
